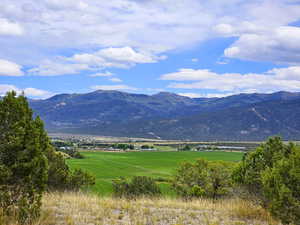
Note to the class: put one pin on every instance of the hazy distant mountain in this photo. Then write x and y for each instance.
(170, 116)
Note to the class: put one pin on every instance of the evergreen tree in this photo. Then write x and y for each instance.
(23, 164)
(29, 163)
(272, 173)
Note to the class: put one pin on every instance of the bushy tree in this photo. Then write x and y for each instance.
(60, 176)
(248, 172)
(203, 179)
(281, 187)
(138, 186)
(272, 172)
(28, 162)
(23, 165)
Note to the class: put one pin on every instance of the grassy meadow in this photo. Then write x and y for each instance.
(106, 166)
(88, 209)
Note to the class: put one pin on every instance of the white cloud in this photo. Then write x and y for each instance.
(29, 92)
(4, 88)
(150, 28)
(206, 95)
(224, 29)
(147, 26)
(49, 68)
(188, 74)
(115, 79)
(103, 74)
(66, 4)
(289, 73)
(113, 87)
(195, 60)
(287, 79)
(123, 57)
(281, 45)
(190, 95)
(8, 68)
(126, 54)
(9, 28)
(34, 92)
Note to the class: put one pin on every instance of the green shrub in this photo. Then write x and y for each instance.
(138, 186)
(71, 152)
(272, 172)
(62, 178)
(203, 179)
(79, 179)
(23, 165)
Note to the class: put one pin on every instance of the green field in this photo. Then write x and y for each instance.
(106, 166)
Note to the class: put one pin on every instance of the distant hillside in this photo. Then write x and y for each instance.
(170, 116)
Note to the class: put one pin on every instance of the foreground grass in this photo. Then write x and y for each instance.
(86, 209)
(106, 166)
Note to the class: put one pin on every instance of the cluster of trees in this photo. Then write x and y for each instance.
(270, 175)
(185, 148)
(29, 164)
(123, 146)
(147, 147)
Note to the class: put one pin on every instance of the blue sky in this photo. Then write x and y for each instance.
(194, 48)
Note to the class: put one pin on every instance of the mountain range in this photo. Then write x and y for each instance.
(242, 117)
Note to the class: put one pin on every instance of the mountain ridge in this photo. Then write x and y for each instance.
(171, 116)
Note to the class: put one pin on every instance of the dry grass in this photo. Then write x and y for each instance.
(85, 209)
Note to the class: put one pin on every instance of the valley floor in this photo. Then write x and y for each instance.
(85, 209)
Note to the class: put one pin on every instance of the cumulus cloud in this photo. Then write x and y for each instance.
(287, 79)
(129, 32)
(50, 68)
(123, 57)
(34, 92)
(150, 26)
(10, 28)
(8, 68)
(29, 92)
(281, 45)
(114, 87)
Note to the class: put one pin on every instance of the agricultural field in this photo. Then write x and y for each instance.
(106, 166)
